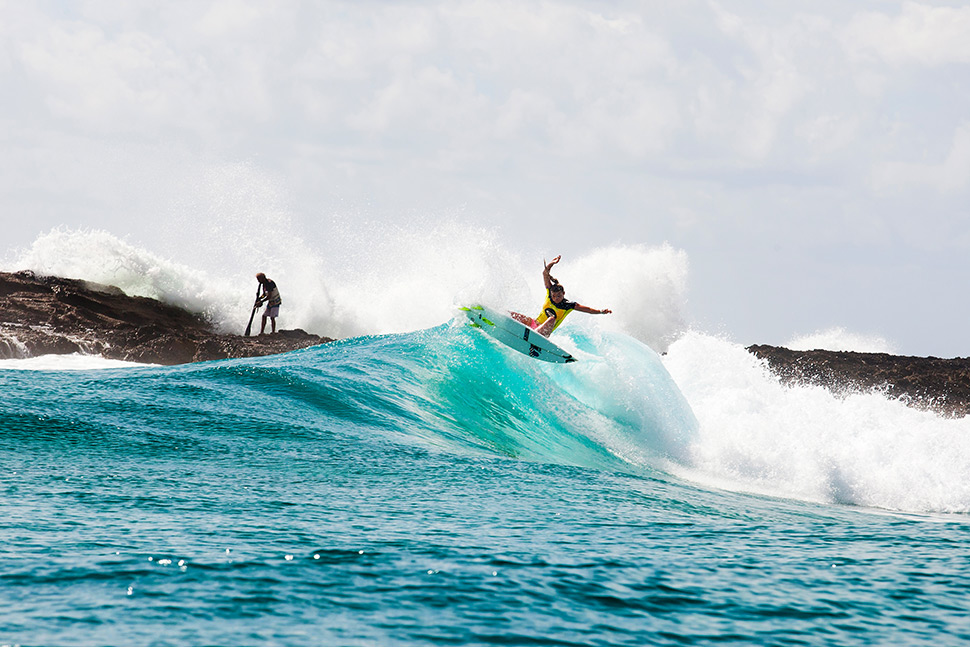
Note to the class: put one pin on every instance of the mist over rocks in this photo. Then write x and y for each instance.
(43, 315)
(939, 385)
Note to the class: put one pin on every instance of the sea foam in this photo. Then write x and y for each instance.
(71, 362)
(377, 278)
(840, 339)
(806, 442)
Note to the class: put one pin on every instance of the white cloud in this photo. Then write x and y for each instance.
(949, 175)
(96, 80)
(232, 17)
(744, 125)
(921, 34)
(827, 133)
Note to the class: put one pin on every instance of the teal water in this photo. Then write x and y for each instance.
(428, 488)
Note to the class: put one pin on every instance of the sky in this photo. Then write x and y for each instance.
(812, 158)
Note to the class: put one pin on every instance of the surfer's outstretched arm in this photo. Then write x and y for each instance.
(592, 311)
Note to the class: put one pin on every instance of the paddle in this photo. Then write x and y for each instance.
(249, 326)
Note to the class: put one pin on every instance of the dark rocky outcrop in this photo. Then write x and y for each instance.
(42, 315)
(940, 385)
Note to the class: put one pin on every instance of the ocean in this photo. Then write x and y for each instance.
(417, 483)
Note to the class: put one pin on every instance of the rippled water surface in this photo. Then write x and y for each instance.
(388, 491)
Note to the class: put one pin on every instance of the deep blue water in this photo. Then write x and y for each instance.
(430, 488)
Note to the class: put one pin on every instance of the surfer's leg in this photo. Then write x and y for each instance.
(546, 328)
(528, 321)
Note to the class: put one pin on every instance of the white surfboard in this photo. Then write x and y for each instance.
(515, 335)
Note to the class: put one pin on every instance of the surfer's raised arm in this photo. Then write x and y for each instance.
(546, 276)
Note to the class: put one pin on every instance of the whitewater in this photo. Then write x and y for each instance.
(416, 483)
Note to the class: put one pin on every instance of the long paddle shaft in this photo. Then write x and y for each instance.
(249, 326)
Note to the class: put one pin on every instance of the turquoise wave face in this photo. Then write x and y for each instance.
(449, 386)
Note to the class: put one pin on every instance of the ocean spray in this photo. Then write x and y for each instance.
(805, 442)
(375, 278)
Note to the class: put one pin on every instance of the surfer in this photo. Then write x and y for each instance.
(556, 307)
(271, 297)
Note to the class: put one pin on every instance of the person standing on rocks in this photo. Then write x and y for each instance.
(271, 297)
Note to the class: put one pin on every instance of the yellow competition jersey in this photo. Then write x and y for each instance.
(550, 309)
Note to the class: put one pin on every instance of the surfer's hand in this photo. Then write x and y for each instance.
(553, 262)
(606, 311)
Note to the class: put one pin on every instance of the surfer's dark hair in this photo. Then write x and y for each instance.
(556, 287)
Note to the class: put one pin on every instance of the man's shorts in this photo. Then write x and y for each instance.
(272, 312)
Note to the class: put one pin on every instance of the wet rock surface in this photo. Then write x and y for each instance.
(932, 383)
(48, 315)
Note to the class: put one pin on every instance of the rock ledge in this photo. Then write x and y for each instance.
(41, 315)
(939, 385)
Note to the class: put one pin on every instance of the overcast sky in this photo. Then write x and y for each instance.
(812, 158)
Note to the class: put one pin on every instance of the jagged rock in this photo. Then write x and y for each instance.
(940, 385)
(42, 315)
